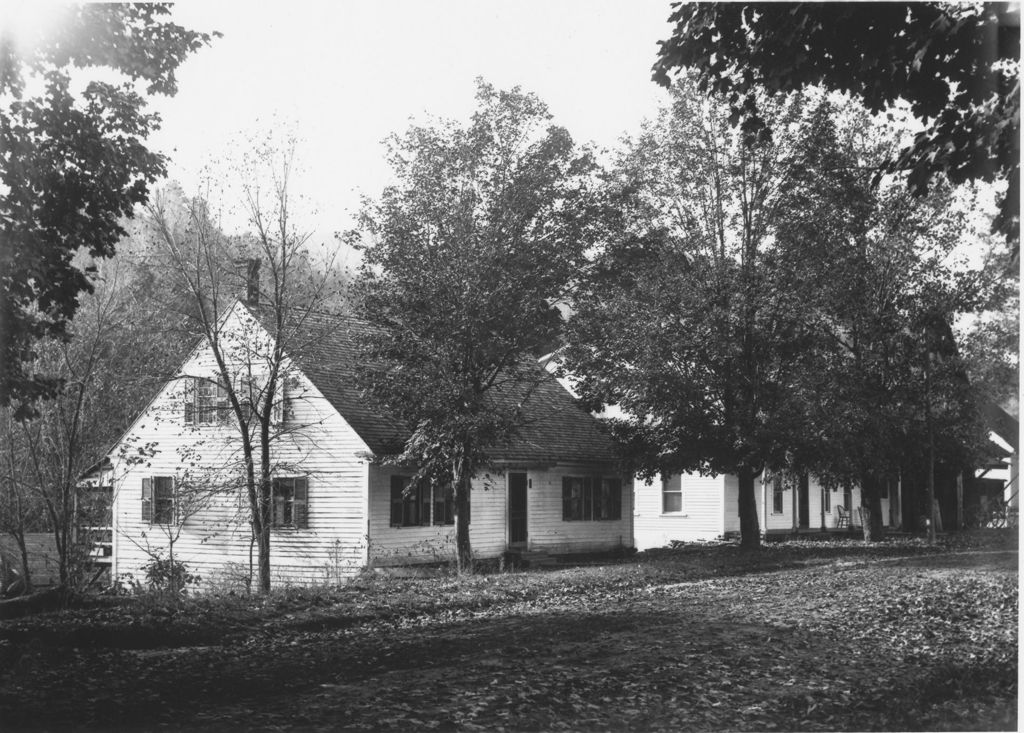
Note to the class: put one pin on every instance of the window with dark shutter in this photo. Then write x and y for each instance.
(397, 486)
(190, 400)
(158, 499)
(300, 511)
(291, 502)
(611, 498)
(223, 405)
(444, 505)
(591, 498)
(277, 408)
(163, 500)
(572, 498)
(147, 500)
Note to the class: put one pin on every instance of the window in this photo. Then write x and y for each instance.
(672, 494)
(586, 498)
(252, 398)
(444, 506)
(777, 494)
(420, 505)
(290, 500)
(206, 402)
(826, 497)
(158, 500)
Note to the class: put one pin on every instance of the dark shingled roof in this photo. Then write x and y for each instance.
(556, 428)
(1002, 423)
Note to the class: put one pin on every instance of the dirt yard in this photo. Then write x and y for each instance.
(803, 636)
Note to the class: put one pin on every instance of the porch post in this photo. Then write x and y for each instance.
(898, 517)
(795, 488)
(960, 500)
(764, 503)
(821, 505)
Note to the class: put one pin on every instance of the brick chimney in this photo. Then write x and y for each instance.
(252, 281)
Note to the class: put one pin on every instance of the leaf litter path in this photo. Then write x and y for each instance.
(924, 643)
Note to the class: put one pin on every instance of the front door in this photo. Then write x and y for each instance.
(517, 508)
(803, 502)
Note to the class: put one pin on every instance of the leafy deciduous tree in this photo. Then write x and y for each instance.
(74, 164)
(684, 324)
(465, 261)
(957, 65)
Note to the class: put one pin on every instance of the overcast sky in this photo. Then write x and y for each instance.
(346, 74)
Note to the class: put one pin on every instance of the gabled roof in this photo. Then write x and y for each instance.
(327, 349)
(1002, 423)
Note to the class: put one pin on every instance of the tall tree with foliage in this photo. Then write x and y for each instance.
(873, 268)
(684, 324)
(465, 259)
(74, 164)
(955, 64)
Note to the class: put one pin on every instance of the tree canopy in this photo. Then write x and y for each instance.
(465, 260)
(684, 322)
(956, 65)
(74, 163)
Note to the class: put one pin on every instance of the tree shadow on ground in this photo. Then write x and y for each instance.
(634, 663)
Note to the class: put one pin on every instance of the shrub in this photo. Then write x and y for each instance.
(164, 575)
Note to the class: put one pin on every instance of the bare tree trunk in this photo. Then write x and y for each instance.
(173, 577)
(463, 549)
(750, 533)
(26, 574)
(871, 501)
(262, 529)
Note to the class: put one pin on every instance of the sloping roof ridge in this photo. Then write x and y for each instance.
(557, 426)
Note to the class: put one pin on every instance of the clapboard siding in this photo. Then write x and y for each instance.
(546, 530)
(711, 508)
(701, 518)
(434, 543)
(215, 543)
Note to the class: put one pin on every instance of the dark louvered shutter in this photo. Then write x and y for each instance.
(614, 498)
(223, 405)
(300, 512)
(190, 401)
(397, 484)
(147, 500)
(566, 498)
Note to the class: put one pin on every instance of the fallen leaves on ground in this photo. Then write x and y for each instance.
(831, 635)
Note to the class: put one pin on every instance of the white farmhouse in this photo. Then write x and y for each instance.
(689, 507)
(177, 474)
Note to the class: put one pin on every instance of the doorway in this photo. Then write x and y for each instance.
(517, 484)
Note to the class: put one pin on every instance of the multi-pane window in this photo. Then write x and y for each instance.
(290, 497)
(420, 504)
(158, 500)
(252, 396)
(211, 402)
(206, 402)
(672, 494)
(587, 498)
(778, 501)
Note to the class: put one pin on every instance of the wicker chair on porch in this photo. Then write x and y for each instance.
(843, 518)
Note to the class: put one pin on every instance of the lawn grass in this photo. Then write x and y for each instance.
(803, 635)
